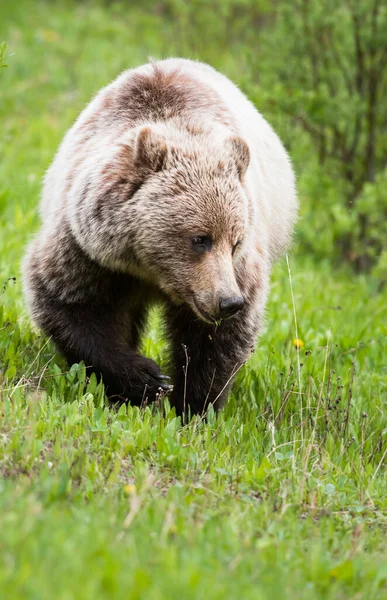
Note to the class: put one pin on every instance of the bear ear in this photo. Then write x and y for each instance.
(150, 150)
(241, 154)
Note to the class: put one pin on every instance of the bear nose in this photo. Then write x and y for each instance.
(230, 306)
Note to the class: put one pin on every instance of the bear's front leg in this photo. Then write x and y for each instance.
(93, 334)
(206, 358)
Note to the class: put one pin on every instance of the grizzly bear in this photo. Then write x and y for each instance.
(170, 188)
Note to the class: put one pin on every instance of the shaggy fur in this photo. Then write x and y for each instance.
(167, 153)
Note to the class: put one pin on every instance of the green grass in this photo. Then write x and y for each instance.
(283, 495)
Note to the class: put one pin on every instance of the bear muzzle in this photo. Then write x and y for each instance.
(217, 295)
(226, 307)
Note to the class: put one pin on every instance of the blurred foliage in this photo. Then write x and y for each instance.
(3, 48)
(327, 69)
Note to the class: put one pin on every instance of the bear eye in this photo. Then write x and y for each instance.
(201, 243)
(236, 246)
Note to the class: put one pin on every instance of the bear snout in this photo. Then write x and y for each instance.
(220, 307)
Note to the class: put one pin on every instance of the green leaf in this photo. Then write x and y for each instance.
(263, 470)
(10, 373)
(343, 572)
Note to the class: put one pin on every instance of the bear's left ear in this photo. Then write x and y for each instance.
(240, 153)
(150, 150)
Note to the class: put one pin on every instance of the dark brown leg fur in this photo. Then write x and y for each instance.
(96, 334)
(214, 356)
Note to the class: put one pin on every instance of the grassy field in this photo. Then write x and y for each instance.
(283, 495)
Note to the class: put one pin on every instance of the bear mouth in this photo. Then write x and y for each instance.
(204, 316)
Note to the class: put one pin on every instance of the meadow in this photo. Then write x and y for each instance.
(283, 493)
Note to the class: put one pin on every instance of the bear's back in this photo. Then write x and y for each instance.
(153, 93)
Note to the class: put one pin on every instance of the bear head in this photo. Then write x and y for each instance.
(191, 213)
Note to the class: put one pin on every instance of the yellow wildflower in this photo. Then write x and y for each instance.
(49, 36)
(130, 489)
(297, 343)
